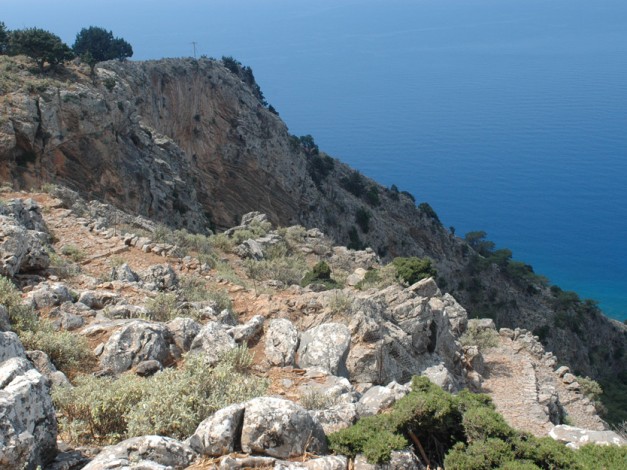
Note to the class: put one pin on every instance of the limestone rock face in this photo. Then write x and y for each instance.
(27, 418)
(218, 434)
(281, 342)
(325, 347)
(280, 428)
(135, 342)
(145, 452)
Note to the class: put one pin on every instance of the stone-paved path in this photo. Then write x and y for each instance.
(512, 384)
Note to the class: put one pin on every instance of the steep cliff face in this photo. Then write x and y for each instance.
(189, 144)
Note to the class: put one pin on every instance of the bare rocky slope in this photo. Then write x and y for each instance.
(133, 322)
(189, 143)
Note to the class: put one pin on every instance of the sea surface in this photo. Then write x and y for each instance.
(508, 116)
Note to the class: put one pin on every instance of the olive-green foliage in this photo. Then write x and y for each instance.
(463, 432)
(483, 337)
(412, 270)
(194, 289)
(614, 398)
(170, 403)
(162, 307)
(96, 44)
(289, 269)
(4, 38)
(354, 183)
(40, 45)
(68, 352)
(380, 278)
(602, 457)
(73, 252)
(320, 274)
(426, 209)
(362, 218)
(197, 243)
(428, 411)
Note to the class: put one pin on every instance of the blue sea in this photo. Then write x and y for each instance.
(508, 116)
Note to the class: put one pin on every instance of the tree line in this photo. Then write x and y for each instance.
(92, 45)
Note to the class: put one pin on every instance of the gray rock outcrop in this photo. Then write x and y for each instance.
(135, 342)
(218, 434)
(280, 428)
(577, 437)
(142, 453)
(325, 347)
(213, 340)
(281, 342)
(27, 418)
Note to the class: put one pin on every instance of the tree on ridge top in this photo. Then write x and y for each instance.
(95, 44)
(40, 45)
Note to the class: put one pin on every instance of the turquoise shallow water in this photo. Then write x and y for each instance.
(508, 116)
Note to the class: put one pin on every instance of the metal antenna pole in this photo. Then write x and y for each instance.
(194, 44)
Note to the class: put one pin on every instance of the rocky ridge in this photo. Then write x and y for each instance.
(351, 350)
(190, 143)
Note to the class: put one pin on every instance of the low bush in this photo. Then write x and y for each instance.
(170, 403)
(73, 252)
(412, 270)
(162, 308)
(463, 432)
(484, 338)
(379, 278)
(321, 275)
(362, 219)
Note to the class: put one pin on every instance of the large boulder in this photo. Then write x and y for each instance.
(213, 340)
(576, 437)
(281, 342)
(183, 331)
(49, 295)
(280, 428)
(135, 342)
(218, 434)
(143, 453)
(326, 347)
(28, 424)
(243, 333)
(336, 417)
(21, 250)
(160, 277)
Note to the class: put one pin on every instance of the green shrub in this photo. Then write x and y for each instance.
(427, 210)
(287, 269)
(170, 403)
(354, 243)
(481, 455)
(465, 430)
(412, 270)
(484, 338)
(362, 219)
(314, 399)
(380, 278)
(73, 252)
(353, 183)
(372, 196)
(162, 308)
(320, 274)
